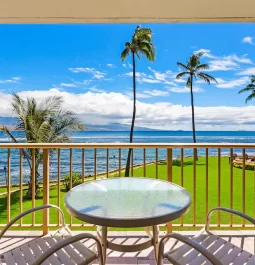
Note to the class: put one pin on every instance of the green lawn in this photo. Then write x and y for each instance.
(188, 184)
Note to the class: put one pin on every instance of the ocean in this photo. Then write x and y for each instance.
(120, 137)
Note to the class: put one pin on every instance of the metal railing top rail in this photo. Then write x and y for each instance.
(126, 145)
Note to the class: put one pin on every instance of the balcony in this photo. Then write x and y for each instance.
(212, 180)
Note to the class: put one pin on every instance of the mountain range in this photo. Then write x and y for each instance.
(10, 123)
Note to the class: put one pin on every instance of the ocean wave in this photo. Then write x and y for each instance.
(9, 139)
(178, 138)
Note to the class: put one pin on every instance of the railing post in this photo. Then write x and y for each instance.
(46, 167)
(169, 164)
(9, 187)
(169, 178)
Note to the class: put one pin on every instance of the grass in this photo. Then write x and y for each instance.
(176, 178)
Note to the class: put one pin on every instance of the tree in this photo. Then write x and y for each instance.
(193, 69)
(140, 44)
(44, 122)
(249, 88)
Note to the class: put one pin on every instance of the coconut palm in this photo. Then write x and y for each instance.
(249, 88)
(192, 69)
(44, 122)
(140, 44)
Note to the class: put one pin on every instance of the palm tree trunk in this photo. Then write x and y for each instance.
(193, 115)
(29, 190)
(130, 150)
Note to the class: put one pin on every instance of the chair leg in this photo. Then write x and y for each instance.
(160, 253)
(155, 240)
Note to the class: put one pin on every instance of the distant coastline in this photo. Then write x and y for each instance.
(111, 127)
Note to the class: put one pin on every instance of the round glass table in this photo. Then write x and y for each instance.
(127, 202)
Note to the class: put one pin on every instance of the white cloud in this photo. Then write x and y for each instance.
(242, 59)
(224, 63)
(14, 80)
(68, 85)
(17, 78)
(232, 83)
(166, 78)
(144, 78)
(110, 65)
(99, 75)
(98, 108)
(138, 95)
(127, 65)
(248, 39)
(207, 53)
(84, 82)
(156, 93)
(96, 90)
(95, 73)
(248, 71)
(184, 89)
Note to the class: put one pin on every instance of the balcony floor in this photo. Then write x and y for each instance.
(242, 238)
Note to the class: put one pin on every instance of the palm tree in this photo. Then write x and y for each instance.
(249, 88)
(141, 44)
(44, 122)
(192, 69)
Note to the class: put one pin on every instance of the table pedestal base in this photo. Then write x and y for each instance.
(153, 241)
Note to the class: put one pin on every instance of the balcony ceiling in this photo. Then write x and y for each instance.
(123, 11)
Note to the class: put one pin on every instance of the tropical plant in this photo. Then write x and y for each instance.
(44, 122)
(249, 88)
(76, 180)
(193, 69)
(140, 44)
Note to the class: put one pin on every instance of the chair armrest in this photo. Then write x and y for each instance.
(189, 242)
(46, 206)
(245, 216)
(66, 242)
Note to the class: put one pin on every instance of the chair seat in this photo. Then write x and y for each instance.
(75, 253)
(223, 250)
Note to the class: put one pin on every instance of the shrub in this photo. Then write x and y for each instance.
(176, 163)
(76, 180)
(247, 166)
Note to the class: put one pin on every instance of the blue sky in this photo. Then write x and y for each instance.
(80, 61)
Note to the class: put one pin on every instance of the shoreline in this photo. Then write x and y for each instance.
(100, 174)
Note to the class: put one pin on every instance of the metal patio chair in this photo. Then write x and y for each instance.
(56, 249)
(206, 248)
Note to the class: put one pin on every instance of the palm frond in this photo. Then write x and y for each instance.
(138, 56)
(252, 78)
(141, 43)
(50, 104)
(125, 53)
(250, 97)
(194, 61)
(25, 154)
(199, 54)
(188, 84)
(183, 66)
(202, 67)
(148, 51)
(249, 87)
(181, 75)
(207, 78)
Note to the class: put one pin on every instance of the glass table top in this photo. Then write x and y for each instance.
(119, 201)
